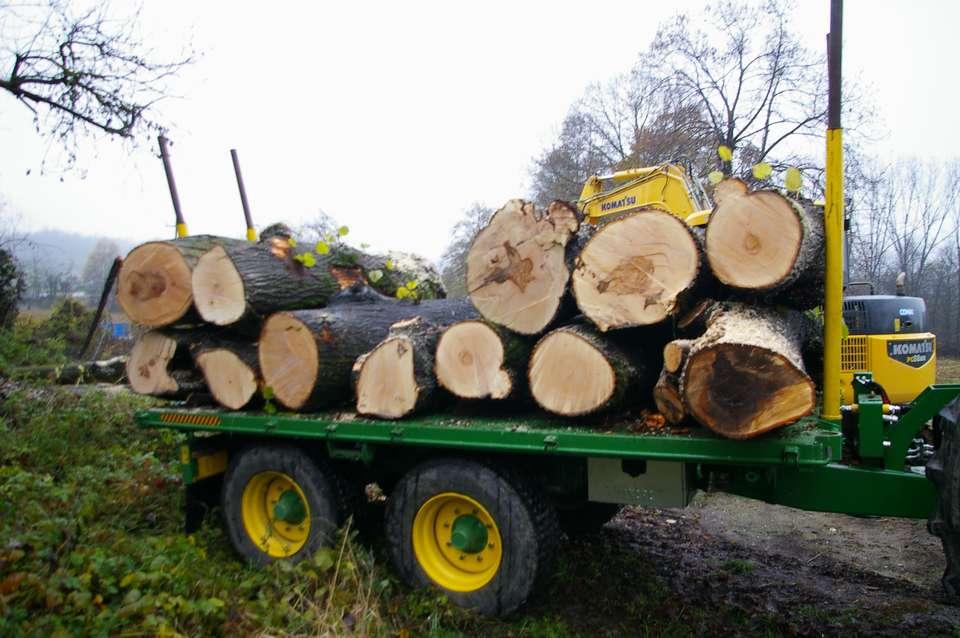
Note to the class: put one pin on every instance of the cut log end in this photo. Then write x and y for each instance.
(632, 270)
(386, 385)
(569, 376)
(231, 381)
(289, 360)
(675, 353)
(516, 268)
(770, 391)
(666, 396)
(470, 360)
(147, 366)
(753, 240)
(153, 286)
(218, 288)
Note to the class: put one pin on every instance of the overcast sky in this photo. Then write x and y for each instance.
(394, 117)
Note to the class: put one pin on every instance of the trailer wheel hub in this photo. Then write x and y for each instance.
(456, 542)
(275, 514)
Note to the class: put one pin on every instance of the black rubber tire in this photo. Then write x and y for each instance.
(527, 522)
(944, 471)
(586, 519)
(320, 486)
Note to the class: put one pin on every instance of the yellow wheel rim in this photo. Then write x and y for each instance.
(275, 514)
(457, 542)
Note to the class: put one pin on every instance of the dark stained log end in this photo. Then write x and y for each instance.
(741, 391)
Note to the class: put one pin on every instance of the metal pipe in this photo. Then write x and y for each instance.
(168, 169)
(251, 232)
(833, 222)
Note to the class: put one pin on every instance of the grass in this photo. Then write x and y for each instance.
(948, 369)
(91, 544)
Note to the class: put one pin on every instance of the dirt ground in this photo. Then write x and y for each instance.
(819, 574)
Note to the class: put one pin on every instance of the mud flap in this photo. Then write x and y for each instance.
(944, 471)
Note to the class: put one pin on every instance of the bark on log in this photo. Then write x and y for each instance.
(104, 371)
(666, 396)
(396, 377)
(574, 370)
(637, 270)
(230, 369)
(767, 245)
(154, 285)
(246, 282)
(745, 375)
(477, 360)
(160, 364)
(306, 356)
(517, 267)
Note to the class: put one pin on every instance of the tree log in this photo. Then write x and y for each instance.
(396, 377)
(237, 283)
(666, 396)
(764, 244)
(154, 285)
(230, 369)
(745, 375)
(517, 270)
(477, 360)
(675, 355)
(160, 364)
(574, 370)
(637, 270)
(107, 371)
(306, 356)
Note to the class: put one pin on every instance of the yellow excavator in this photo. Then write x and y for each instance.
(885, 334)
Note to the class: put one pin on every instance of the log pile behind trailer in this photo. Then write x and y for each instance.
(576, 319)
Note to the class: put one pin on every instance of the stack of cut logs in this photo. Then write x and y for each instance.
(581, 319)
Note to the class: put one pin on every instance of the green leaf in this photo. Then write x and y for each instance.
(322, 248)
(323, 559)
(307, 259)
(329, 238)
(375, 275)
(342, 231)
(389, 264)
(292, 242)
(411, 285)
(402, 293)
(266, 392)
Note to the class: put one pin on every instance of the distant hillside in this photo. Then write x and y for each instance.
(57, 249)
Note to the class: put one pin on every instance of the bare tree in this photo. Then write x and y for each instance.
(81, 72)
(757, 85)
(453, 259)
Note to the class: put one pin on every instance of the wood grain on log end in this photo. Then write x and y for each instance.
(153, 286)
(232, 382)
(289, 360)
(470, 359)
(516, 267)
(386, 385)
(633, 269)
(569, 376)
(147, 367)
(218, 288)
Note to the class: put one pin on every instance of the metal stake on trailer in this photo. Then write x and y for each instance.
(251, 231)
(168, 169)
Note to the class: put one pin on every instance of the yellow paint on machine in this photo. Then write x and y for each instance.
(903, 380)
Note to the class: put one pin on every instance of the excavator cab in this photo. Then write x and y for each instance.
(888, 336)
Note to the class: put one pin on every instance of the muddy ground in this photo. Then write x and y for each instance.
(806, 573)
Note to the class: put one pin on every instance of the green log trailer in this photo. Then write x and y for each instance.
(521, 480)
(475, 504)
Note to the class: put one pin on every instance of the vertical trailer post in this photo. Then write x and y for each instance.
(833, 222)
(168, 169)
(251, 232)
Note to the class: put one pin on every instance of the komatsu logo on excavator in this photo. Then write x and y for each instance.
(629, 200)
(915, 352)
